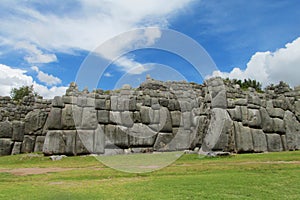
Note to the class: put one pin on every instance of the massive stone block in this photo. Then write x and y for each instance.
(259, 141)
(165, 122)
(141, 135)
(116, 136)
(254, 118)
(218, 130)
(16, 148)
(145, 115)
(235, 114)
(5, 146)
(28, 144)
(178, 140)
(67, 119)
(85, 142)
(99, 141)
(278, 125)
(39, 143)
(243, 138)
(58, 102)
(35, 120)
(5, 129)
(267, 122)
(54, 143)
(176, 118)
(53, 121)
(220, 100)
(18, 128)
(292, 131)
(274, 142)
(103, 116)
(89, 118)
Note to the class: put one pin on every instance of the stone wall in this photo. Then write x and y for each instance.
(157, 116)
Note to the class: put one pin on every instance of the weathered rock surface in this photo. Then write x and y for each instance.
(157, 116)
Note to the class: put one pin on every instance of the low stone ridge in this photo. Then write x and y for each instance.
(157, 116)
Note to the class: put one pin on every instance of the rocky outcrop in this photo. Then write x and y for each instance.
(157, 116)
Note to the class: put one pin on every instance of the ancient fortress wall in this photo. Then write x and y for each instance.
(157, 116)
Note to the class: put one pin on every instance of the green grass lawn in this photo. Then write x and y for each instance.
(245, 176)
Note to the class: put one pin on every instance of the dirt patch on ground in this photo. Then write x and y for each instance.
(30, 171)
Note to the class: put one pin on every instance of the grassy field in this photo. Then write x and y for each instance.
(245, 176)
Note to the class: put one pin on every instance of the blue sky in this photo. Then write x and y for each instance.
(45, 43)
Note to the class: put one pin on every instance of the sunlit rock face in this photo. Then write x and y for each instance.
(157, 116)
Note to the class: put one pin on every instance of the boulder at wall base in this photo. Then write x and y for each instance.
(35, 120)
(28, 144)
(39, 143)
(140, 135)
(16, 148)
(274, 142)
(116, 136)
(259, 141)
(178, 140)
(218, 130)
(54, 143)
(243, 138)
(292, 127)
(5, 146)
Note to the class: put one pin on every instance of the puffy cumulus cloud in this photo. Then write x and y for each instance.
(12, 78)
(49, 93)
(48, 79)
(271, 67)
(15, 78)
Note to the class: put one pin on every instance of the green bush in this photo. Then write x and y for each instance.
(17, 94)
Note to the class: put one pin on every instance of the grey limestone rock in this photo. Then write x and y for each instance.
(53, 120)
(217, 133)
(141, 135)
(39, 143)
(89, 118)
(254, 118)
(103, 116)
(34, 121)
(243, 138)
(54, 143)
(67, 119)
(58, 102)
(116, 137)
(18, 131)
(292, 127)
(274, 142)
(28, 144)
(6, 146)
(259, 141)
(16, 148)
(5, 129)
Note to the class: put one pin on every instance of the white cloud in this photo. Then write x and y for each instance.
(12, 78)
(35, 54)
(48, 79)
(107, 74)
(15, 78)
(85, 25)
(271, 67)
